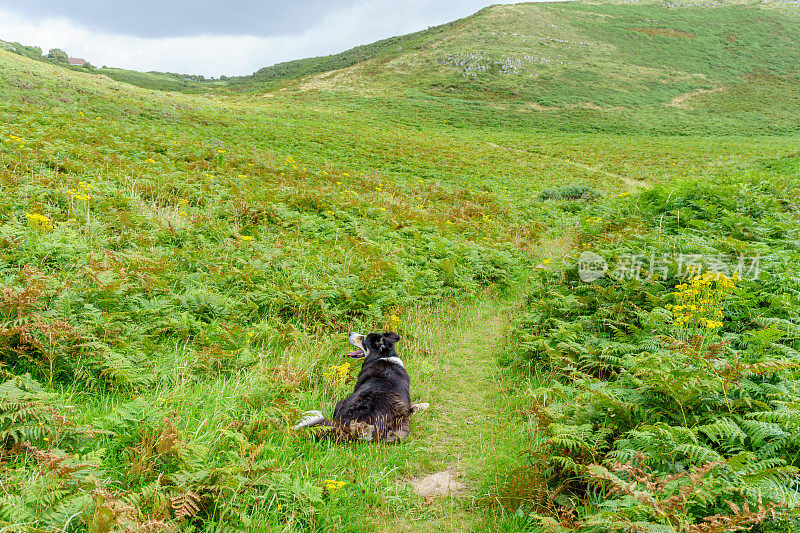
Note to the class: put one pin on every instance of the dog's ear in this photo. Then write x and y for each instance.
(392, 337)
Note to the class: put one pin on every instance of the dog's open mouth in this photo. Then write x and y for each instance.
(357, 340)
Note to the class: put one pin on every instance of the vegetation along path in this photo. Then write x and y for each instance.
(462, 439)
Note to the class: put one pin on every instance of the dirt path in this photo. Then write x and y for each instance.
(682, 99)
(452, 360)
(633, 183)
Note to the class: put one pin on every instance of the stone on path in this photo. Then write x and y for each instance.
(438, 484)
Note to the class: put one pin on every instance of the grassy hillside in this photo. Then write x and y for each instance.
(179, 272)
(159, 81)
(386, 48)
(670, 68)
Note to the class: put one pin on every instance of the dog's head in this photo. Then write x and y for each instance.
(375, 345)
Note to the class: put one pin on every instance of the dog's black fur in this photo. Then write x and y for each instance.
(380, 406)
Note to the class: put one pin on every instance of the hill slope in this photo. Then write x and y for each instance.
(682, 65)
(619, 67)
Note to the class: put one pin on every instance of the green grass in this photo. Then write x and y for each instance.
(158, 81)
(210, 277)
(179, 270)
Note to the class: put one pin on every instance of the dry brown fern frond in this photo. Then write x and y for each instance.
(56, 461)
(16, 303)
(185, 505)
(672, 509)
(168, 440)
(743, 518)
(156, 445)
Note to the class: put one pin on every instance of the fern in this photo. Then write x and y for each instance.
(60, 492)
(637, 388)
(185, 505)
(722, 429)
(27, 413)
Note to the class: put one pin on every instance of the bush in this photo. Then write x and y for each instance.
(571, 193)
(674, 401)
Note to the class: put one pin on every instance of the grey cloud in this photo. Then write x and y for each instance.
(183, 18)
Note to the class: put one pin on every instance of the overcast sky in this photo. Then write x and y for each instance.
(216, 37)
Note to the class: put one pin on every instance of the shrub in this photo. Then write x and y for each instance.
(571, 193)
(674, 401)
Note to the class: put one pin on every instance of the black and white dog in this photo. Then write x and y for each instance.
(380, 406)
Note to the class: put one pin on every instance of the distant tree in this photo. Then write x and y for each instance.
(58, 54)
(33, 51)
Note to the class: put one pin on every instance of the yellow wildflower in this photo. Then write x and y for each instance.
(338, 373)
(332, 484)
(699, 301)
(39, 222)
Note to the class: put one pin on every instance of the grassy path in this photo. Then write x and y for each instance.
(630, 182)
(452, 359)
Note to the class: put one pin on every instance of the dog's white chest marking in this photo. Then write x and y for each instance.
(395, 360)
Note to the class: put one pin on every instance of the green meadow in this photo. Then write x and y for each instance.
(180, 263)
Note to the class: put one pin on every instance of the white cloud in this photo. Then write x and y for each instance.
(208, 55)
(362, 22)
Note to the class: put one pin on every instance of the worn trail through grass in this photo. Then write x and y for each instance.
(630, 182)
(452, 359)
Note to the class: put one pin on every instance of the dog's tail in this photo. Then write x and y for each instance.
(312, 419)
